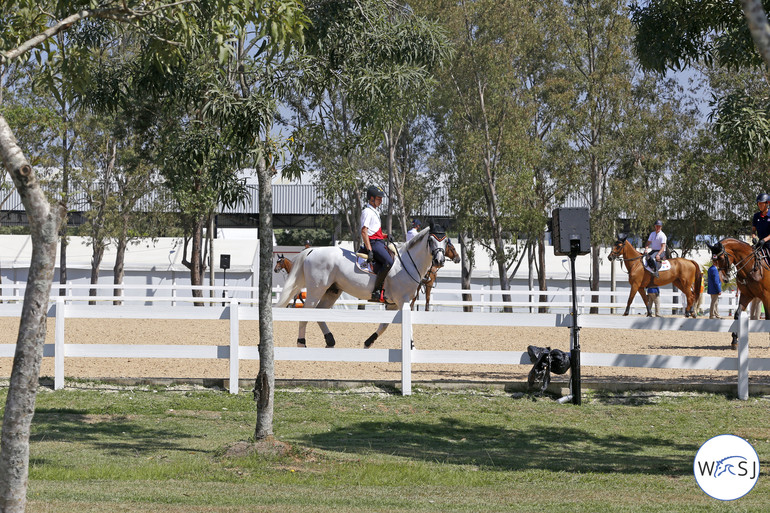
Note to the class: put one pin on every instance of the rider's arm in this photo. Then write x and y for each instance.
(365, 238)
(661, 252)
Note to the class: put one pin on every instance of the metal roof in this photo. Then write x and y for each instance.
(294, 199)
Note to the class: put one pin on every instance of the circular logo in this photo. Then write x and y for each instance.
(726, 467)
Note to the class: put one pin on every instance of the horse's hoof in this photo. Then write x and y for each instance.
(734, 345)
(330, 342)
(301, 342)
(369, 341)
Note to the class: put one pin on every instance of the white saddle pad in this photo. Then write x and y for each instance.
(362, 264)
(665, 266)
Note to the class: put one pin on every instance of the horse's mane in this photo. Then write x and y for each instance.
(731, 239)
(416, 239)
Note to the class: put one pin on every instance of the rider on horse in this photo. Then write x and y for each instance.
(373, 240)
(760, 224)
(656, 245)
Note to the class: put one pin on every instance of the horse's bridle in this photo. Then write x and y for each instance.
(433, 253)
(619, 256)
(739, 265)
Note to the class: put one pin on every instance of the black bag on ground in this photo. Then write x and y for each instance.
(560, 361)
(546, 360)
(541, 371)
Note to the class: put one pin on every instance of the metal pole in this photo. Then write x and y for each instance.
(575, 342)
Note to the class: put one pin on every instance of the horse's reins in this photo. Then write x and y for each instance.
(414, 264)
(739, 265)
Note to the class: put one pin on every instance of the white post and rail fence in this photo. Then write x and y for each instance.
(236, 309)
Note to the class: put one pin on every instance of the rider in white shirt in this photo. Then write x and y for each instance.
(373, 240)
(415, 228)
(655, 247)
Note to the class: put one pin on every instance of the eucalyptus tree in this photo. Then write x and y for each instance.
(677, 34)
(370, 71)
(484, 117)
(28, 28)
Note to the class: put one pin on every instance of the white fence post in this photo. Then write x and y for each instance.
(743, 356)
(406, 350)
(234, 341)
(58, 349)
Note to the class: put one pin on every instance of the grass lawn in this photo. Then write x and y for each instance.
(97, 449)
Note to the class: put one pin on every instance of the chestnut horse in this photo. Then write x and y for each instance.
(430, 277)
(282, 263)
(685, 274)
(752, 270)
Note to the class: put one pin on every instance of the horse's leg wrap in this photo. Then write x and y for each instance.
(329, 339)
(369, 341)
(301, 342)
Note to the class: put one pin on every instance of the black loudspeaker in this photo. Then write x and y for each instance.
(224, 261)
(571, 224)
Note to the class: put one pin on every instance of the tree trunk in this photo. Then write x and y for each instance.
(542, 283)
(96, 260)
(759, 27)
(391, 147)
(264, 387)
(196, 271)
(210, 239)
(65, 192)
(120, 258)
(465, 270)
(45, 221)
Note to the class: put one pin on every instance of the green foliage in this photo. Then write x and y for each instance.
(298, 237)
(675, 34)
(742, 123)
(680, 33)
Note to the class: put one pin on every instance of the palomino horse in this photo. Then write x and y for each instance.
(430, 277)
(752, 270)
(327, 272)
(685, 274)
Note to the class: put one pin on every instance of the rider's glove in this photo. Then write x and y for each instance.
(759, 243)
(370, 256)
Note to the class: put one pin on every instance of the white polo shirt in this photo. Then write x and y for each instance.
(371, 219)
(656, 240)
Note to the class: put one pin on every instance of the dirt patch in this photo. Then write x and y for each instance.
(269, 447)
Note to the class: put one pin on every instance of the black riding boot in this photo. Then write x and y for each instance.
(377, 294)
(653, 266)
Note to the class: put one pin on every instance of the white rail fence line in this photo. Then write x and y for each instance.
(482, 298)
(67, 308)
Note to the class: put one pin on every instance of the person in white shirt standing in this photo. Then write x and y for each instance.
(373, 240)
(655, 247)
(413, 231)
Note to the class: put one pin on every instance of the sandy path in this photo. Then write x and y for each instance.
(205, 332)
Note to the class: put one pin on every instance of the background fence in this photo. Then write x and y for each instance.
(237, 309)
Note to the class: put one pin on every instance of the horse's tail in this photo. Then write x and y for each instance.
(698, 281)
(295, 281)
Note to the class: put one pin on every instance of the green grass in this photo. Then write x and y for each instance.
(129, 450)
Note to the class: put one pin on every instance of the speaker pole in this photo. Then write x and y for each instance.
(575, 339)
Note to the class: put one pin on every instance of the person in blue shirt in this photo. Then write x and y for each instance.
(760, 223)
(714, 290)
(654, 294)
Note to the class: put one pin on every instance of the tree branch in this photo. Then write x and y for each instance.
(759, 27)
